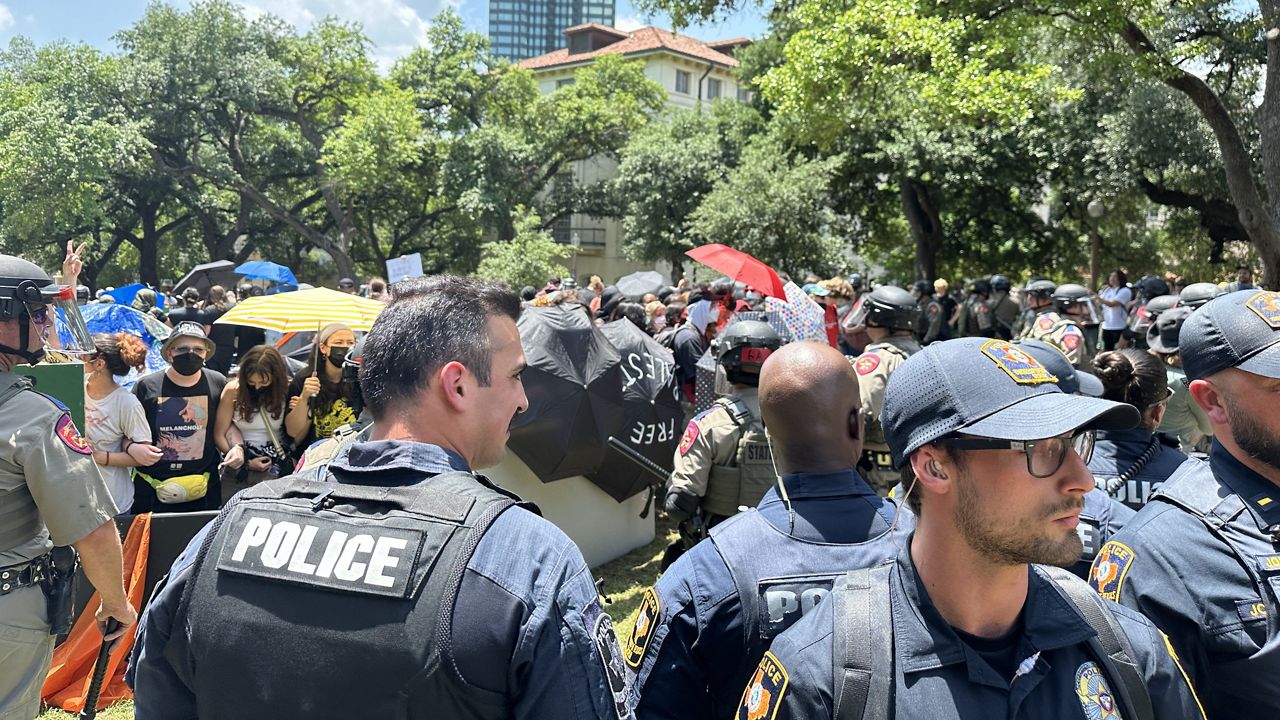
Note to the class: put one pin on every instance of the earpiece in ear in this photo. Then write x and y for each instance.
(936, 469)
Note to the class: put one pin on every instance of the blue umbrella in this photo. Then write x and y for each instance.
(124, 295)
(113, 318)
(263, 270)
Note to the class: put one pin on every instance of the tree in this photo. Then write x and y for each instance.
(529, 258)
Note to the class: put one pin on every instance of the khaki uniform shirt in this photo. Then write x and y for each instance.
(710, 439)
(47, 467)
(1005, 311)
(873, 369)
(1063, 333)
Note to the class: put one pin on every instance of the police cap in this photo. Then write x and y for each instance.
(1238, 330)
(23, 284)
(1070, 380)
(1197, 294)
(743, 348)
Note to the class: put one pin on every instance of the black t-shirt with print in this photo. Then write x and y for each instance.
(181, 420)
(323, 420)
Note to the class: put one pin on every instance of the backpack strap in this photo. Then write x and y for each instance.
(1110, 643)
(862, 646)
(13, 389)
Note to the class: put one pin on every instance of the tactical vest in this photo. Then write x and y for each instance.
(1194, 489)
(780, 578)
(1094, 530)
(750, 472)
(330, 600)
(19, 517)
(874, 442)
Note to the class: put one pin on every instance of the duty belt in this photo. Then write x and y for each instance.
(16, 577)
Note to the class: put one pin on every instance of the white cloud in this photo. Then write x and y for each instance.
(394, 28)
(629, 23)
(6, 18)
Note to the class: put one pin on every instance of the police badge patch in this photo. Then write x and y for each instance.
(648, 619)
(1045, 323)
(606, 642)
(1024, 369)
(764, 693)
(70, 436)
(867, 363)
(1266, 305)
(1095, 695)
(1109, 568)
(1071, 339)
(690, 435)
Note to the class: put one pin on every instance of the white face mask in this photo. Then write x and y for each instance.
(659, 322)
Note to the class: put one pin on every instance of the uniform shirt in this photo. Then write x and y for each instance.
(931, 325)
(873, 369)
(975, 318)
(939, 677)
(711, 438)
(698, 656)
(44, 456)
(1117, 451)
(1061, 332)
(521, 618)
(1170, 566)
(1005, 311)
(1183, 418)
(1102, 517)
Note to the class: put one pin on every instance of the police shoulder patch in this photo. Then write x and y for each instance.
(66, 431)
(690, 435)
(867, 363)
(1024, 369)
(763, 696)
(1070, 339)
(1045, 323)
(934, 308)
(606, 646)
(1095, 694)
(1109, 569)
(1266, 305)
(646, 622)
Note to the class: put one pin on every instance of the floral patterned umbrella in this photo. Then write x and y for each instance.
(804, 318)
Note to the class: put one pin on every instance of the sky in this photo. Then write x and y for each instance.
(394, 26)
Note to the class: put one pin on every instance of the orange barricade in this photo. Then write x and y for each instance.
(68, 681)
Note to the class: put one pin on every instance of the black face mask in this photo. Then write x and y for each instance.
(256, 392)
(337, 355)
(187, 363)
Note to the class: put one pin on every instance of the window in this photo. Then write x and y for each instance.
(744, 95)
(713, 89)
(682, 81)
(562, 82)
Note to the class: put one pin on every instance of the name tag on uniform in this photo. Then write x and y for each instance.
(758, 453)
(783, 601)
(322, 551)
(1268, 564)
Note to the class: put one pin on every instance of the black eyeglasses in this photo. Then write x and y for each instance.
(1044, 457)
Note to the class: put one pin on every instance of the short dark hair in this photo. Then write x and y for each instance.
(430, 321)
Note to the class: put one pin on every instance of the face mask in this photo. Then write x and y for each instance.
(659, 322)
(187, 363)
(256, 392)
(337, 355)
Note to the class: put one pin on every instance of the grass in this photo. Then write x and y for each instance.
(625, 580)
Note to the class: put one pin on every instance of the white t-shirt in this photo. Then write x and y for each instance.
(107, 423)
(1116, 318)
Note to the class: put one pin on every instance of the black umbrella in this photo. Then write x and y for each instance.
(574, 384)
(203, 277)
(652, 396)
(638, 284)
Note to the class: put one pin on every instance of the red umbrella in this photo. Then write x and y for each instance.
(741, 267)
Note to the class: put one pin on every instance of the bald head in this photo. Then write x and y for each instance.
(809, 402)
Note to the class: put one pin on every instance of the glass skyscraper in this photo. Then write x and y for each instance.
(520, 29)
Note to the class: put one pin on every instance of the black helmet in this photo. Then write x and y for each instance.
(1041, 288)
(1197, 294)
(1152, 286)
(924, 287)
(980, 287)
(1159, 304)
(22, 285)
(856, 281)
(1070, 294)
(1001, 283)
(887, 306)
(743, 347)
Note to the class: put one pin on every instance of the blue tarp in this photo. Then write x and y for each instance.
(263, 270)
(125, 295)
(112, 318)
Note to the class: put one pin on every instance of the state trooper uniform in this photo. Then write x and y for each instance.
(1202, 558)
(403, 569)
(932, 323)
(51, 494)
(975, 318)
(1183, 418)
(706, 623)
(1003, 309)
(1053, 326)
(887, 307)
(879, 648)
(723, 461)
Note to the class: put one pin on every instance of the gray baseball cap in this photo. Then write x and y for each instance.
(1237, 330)
(987, 388)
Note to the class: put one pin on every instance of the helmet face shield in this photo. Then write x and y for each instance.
(858, 319)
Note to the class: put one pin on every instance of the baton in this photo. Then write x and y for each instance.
(641, 461)
(90, 709)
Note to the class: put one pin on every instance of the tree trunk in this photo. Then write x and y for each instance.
(677, 267)
(1256, 217)
(926, 226)
(149, 247)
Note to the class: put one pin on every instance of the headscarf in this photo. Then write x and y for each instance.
(700, 315)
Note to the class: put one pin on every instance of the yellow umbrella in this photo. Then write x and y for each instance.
(304, 310)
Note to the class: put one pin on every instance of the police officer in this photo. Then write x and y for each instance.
(1003, 309)
(703, 627)
(394, 591)
(1202, 558)
(50, 495)
(1146, 315)
(723, 461)
(931, 321)
(962, 624)
(1036, 297)
(1197, 294)
(1183, 418)
(975, 314)
(1051, 324)
(889, 315)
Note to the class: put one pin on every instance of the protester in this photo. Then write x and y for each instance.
(378, 289)
(115, 423)
(223, 337)
(181, 403)
(255, 401)
(186, 308)
(630, 311)
(655, 314)
(1115, 298)
(318, 402)
(691, 340)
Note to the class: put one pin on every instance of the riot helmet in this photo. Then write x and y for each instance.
(856, 281)
(1152, 286)
(980, 287)
(1157, 305)
(1040, 288)
(1001, 283)
(887, 306)
(26, 291)
(1068, 295)
(742, 349)
(923, 288)
(1197, 294)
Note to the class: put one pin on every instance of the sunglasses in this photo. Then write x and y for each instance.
(39, 313)
(1044, 457)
